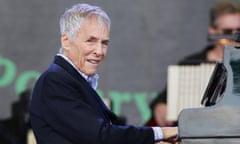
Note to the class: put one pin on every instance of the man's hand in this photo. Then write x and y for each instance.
(169, 135)
(169, 132)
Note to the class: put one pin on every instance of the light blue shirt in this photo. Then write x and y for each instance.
(93, 81)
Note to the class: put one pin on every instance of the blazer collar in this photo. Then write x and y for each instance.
(92, 80)
(68, 67)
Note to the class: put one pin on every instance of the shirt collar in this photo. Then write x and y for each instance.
(92, 80)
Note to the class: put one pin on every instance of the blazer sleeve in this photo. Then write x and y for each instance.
(66, 111)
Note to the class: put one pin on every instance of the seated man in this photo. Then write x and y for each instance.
(65, 107)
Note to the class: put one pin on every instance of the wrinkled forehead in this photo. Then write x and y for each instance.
(95, 27)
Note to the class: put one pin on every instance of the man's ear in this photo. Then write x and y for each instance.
(65, 42)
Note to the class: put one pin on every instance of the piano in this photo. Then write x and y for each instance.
(219, 121)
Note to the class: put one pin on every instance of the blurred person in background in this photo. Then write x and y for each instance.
(14, 130)
(224, 19)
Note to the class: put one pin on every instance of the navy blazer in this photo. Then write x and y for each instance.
(64, 109)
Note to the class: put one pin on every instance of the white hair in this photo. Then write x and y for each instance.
(70, 21)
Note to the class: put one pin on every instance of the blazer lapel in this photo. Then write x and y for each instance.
(101, 107)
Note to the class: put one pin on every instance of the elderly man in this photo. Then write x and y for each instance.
(65, 108)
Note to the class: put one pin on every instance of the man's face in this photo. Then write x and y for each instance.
(226, 24)
(89, 48)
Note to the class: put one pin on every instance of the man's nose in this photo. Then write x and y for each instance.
(99, 49)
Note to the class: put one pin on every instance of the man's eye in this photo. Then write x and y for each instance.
(105, 43)
(90, 40)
